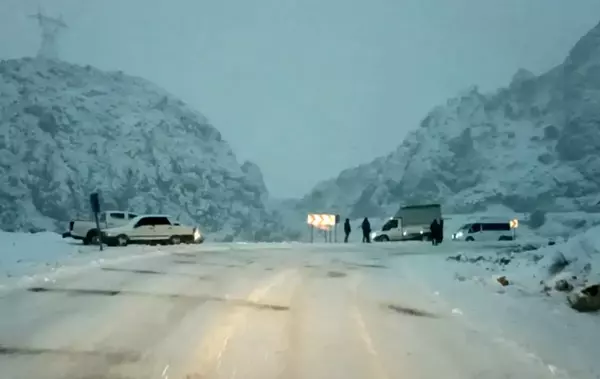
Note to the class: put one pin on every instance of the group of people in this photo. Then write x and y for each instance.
(436, 227)
(437, 231)
(366, 229)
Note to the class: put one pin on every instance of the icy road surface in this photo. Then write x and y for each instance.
(258, 311)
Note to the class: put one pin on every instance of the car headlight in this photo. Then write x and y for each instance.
(421, 232)
(373, 235)
(403, 233)
(458, 235)
(197, 234)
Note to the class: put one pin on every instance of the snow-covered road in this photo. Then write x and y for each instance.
(279, 311)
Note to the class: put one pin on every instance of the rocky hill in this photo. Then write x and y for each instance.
(67, 130)
(532, 145)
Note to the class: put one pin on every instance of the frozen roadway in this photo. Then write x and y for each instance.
(250, 311)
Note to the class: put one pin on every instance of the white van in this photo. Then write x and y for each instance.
(485, 231)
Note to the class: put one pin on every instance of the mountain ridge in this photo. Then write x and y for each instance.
(68, 130)
(530, 145)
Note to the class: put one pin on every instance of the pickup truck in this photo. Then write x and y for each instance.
(86, 231)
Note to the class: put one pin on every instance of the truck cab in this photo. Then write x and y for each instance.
(390, 231)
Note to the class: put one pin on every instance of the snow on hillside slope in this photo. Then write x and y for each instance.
(532, 145)
(67, 130)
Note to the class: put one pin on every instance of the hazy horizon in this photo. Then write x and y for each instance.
(307, 89)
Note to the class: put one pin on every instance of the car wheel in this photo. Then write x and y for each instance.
(384, 238)
(92, 237)
(470, 239)
(122, 240)
(175, 240)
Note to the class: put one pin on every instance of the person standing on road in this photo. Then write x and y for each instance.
(441, 234)
(434, 228)
(347, 230)
(366, 229)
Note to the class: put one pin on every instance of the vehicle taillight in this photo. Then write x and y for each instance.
(71, 225)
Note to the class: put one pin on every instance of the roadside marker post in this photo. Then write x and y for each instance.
(95, 204)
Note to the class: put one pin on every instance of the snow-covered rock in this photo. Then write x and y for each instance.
(532, 145)
(67, 130)
(567, 267)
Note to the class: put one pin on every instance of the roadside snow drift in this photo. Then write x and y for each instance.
(571, 268)
(19, 252)
(32, 256)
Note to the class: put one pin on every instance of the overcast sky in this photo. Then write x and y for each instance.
(306, 88)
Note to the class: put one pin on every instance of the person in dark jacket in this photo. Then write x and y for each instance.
(347, 230)
(441, 233)
(366, 229)
(435, 229)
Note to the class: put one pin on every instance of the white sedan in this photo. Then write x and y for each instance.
(151, 229)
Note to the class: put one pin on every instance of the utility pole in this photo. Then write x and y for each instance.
(50, 28)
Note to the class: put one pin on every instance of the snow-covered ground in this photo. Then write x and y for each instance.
(388, 310)
(26, 257)
(549, 271)
(531, 312)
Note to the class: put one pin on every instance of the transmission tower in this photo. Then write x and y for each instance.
(50, 27)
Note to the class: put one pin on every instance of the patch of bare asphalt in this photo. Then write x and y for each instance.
(133, 271)
(409, 311)
(112, 357)
(198, 298)
(184, 262)
(90, 292)
(149, 272)
(369, 265)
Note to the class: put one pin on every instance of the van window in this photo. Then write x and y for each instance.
(391, 224)
(498, 226)
(132, 215)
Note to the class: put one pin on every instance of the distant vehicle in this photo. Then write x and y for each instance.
(87, 231)
(151, 229)
(410, 223)
(486, 231)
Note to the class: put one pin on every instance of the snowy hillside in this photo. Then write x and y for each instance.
(67, 130)
(532, 145)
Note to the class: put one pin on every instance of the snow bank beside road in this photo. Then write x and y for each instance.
(531, 314)
(25, 257)
(556, 271)
(21, 252)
